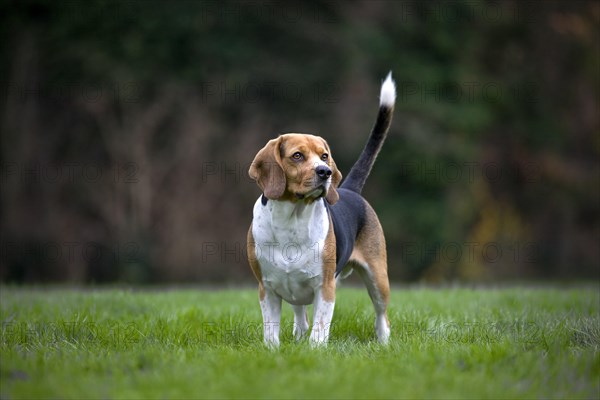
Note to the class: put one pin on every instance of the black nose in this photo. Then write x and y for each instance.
(323, 171)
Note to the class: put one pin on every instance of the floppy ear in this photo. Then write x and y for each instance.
(267, 170)
(332, 195)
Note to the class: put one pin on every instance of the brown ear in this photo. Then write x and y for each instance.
(267, 170)
(332, 195)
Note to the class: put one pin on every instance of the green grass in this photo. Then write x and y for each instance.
(480, 343)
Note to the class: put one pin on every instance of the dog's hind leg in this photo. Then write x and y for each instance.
(300, 321)
(378, 288)
(371, 259)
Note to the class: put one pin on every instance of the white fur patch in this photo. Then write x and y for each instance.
(387, 97)
(300, 321)
(323, 313)
(382, 329)
(289, 239)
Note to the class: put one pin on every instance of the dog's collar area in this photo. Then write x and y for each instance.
(263, 200)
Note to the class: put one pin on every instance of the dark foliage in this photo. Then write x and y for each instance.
(128, 127)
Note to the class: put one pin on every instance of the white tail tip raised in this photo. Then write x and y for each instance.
(388, 92)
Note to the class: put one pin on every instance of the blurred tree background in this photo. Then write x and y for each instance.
(128, 128)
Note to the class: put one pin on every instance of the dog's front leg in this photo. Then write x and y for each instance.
(323, 313)
(324, 300)
(270, 306)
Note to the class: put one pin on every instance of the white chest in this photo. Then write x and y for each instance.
(289, 242)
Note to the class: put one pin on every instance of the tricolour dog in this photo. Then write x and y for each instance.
(308, 230)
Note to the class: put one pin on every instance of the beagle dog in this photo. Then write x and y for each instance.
(308, 230)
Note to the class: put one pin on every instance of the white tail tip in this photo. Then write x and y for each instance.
(388, 92)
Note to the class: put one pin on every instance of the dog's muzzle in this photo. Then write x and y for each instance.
(323, 172)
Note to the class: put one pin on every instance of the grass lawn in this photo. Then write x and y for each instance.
(520, 342)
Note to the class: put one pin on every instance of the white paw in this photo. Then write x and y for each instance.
(272, 343)
(300, 331)
(382, 328)
(319, 337)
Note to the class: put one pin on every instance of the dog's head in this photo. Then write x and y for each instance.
(296, 167)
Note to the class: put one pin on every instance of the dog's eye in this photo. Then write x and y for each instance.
(325, 157)
(297, 156)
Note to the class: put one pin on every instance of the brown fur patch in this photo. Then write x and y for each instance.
(266, 169)
(328, 289)
(370, 249)
(252, 260)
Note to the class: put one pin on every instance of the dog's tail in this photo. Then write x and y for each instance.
(362, 168)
